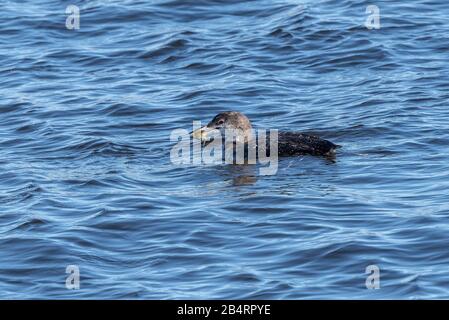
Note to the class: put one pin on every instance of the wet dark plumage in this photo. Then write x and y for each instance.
(295, 143)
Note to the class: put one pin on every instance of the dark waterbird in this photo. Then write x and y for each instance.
(290, 143)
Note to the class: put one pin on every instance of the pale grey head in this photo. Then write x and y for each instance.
(224, 122)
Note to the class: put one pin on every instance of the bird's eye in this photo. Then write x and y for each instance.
(220, 121)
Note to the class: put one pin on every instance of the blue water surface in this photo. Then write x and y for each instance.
(85, 171)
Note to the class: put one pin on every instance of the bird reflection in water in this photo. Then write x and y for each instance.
(241, 175)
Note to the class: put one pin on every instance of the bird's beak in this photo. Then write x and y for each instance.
(202, 133)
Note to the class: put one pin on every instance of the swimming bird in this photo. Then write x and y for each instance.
(289, 143)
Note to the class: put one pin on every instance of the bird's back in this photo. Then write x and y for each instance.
(295, 143)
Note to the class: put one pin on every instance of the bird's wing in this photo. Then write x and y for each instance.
(291, 143)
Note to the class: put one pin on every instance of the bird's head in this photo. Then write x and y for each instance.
(231, 121)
